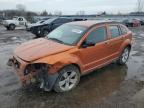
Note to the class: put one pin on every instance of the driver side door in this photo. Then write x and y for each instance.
(94, 55)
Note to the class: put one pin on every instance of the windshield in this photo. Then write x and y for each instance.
(67, 34)
(40, 22)
(49, 21)
(15, 18)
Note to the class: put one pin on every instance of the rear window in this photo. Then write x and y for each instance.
(114, 30)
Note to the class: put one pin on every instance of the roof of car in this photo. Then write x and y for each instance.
(90, 23)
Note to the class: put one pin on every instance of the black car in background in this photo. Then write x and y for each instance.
(142, 22)
(42, 29)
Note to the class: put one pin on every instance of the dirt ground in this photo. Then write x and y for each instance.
(110, 87)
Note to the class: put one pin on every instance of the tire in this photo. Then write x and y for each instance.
(12, 26)
(44, 33)
(7, 28)
(37, 36)
(68, 79)
(124, 56)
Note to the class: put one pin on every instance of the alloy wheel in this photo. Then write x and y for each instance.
(68, 80)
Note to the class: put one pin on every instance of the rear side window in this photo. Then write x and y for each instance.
(97, 35)
(114, 30)
(123, 30)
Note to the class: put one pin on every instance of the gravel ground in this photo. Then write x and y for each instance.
(110, 87)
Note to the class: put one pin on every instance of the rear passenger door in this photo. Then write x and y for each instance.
(116, 40)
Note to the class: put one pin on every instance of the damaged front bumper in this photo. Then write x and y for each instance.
(46, 82)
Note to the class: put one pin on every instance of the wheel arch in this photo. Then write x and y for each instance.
(61, 63)
(65, 65)
(126, 43)
(12, 24)
(129, 45)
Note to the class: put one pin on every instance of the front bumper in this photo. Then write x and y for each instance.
(20, 67)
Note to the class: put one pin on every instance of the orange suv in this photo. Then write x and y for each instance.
(73, 49)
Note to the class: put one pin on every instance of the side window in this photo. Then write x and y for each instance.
(114, 30)
(123, 30)
(57, 21)
(62, 20)
(98, 35)
(20, 19)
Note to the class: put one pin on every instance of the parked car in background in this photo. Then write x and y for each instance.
(42, 29)
(132, 22)
(29, 25)
(15, 22)
(142, 22)
(71, 50)
(1, 19)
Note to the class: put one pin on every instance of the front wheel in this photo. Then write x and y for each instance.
(124, 56)
(68, 79)
(44, 33)
(12, 26)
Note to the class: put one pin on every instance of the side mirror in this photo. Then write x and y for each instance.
(86, 44)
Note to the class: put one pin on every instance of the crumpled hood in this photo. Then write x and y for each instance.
(39, 48)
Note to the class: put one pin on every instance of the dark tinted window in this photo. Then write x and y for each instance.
(123, 30)
(79, 19)
(20, 19)
(62, 20)
(114, 30)
(98, 35)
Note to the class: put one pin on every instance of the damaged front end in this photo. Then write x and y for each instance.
(36, 74)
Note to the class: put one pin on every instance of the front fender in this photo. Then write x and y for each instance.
(57, 62)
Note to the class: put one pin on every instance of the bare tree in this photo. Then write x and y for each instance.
(20, 7)
(44, 13)
(80, 13)
(140, 5)
(58, 13)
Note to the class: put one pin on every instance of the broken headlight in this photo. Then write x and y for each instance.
(38, 67)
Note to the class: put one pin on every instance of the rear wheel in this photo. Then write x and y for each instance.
(68, 79)
(12, 26)
(124, 56)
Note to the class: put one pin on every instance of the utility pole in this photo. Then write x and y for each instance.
(140, 6)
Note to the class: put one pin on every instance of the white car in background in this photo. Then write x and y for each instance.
(15, 22)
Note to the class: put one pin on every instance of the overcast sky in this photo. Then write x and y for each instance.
(72, 6)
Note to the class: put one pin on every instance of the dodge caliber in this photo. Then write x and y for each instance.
(57, 61)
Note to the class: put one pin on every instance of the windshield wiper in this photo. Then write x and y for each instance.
(57, 40)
